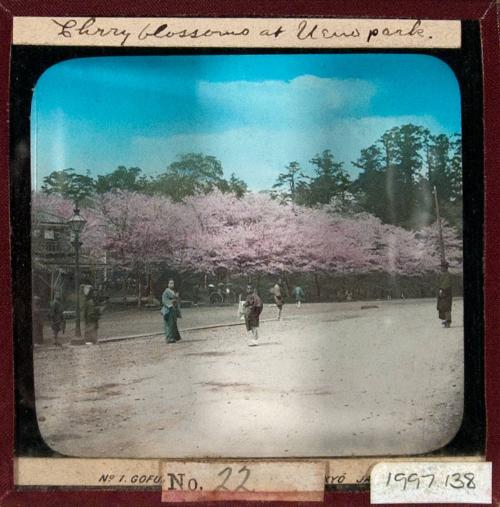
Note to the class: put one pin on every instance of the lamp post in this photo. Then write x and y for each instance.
(76, 224)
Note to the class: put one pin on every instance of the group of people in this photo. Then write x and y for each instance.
(89, 312)
(251, 308)
(278, 293)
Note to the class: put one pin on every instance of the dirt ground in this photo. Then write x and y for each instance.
(332, 379)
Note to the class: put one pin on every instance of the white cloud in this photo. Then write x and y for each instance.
(258, 154)
(303, 99)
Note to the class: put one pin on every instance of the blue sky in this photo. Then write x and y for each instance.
(255, 113)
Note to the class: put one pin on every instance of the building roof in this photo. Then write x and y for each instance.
(44, 217)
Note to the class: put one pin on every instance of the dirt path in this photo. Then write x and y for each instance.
(328, 380)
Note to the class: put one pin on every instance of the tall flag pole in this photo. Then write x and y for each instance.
(440, 227)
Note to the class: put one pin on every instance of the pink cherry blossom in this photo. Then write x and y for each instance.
(250, 235)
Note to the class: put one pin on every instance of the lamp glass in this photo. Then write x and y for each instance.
(76, 222)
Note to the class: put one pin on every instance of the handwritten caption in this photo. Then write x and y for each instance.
(259, 481)
(431, 482)
(238, 32)
(305, 30)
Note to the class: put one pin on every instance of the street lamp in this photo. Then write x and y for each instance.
(76, 224)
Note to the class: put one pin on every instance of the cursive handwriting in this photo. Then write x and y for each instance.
(414, 30)
(314, 32)
(163, 32)
(88, 27)
(306, 30)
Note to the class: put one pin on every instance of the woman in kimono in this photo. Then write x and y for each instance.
(91, 316)
(56, 315)
(298, 294)
(444, 297)
(252, 310)
(171, 312)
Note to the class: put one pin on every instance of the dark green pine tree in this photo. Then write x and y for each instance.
(70, 185)
(329, 181)
(288, 182)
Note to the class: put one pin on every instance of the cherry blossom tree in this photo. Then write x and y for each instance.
(142, 231)
(428, 246)
(256, 234)
(250, 235)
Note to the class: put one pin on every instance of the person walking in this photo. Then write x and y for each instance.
(91, 316)
(252, 309)
(278, 293)
(299, 295)
(56, 315)
(444, 296)
(171, 312)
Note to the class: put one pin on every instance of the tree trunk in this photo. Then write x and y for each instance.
(139, 289)
(124, 288)
(287, 285)
(355, 286)
(256, 284)
(318, 286)
(150, 288)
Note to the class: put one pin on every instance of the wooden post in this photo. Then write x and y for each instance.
(440, 228)
(139, 286)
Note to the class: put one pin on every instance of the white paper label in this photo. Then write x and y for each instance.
(238, 32)
(205, 481)
(431, 482)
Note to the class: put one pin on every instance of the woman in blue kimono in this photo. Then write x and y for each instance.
(171, 312)
(298, 294)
